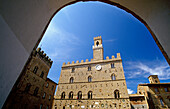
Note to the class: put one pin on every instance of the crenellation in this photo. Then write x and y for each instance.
(44, 56)
(72, 62)
(113, 57)
(64, 63)
(68, 62)
(82, 61)
(87, 60)
(107, 58)
(77, 61)
(98, 37)
(118, 56)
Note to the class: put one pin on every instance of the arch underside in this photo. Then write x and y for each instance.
(23, 24)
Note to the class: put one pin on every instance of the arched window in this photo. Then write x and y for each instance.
(89, 79)
(27, 88)
(71, 80)
(90, 94)
(113, 77)
(63, 95)
(71, 95)
(42, 74)
(73, 69)
(35, 69)
(116, 94)
(79, 95)
(36, 91)
(97, 43)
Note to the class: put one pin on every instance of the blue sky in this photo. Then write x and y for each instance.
(69, 37)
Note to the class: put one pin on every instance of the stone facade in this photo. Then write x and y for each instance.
(138, 101)
(33, 90)
(156, 93)
(97, 83)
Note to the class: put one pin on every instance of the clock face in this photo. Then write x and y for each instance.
(98, 67)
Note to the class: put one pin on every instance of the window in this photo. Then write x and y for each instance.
(89, 79)
(52, 87)
(166, 89)
(90, 95)
(73, 70)
(112, 65)
(47, 107)
(49, 97)
(161, 101)
(47, 84)
(36, 91)
(44, 95)
(79, 95)
(89, 68)
(63, 95)
(156, 89)
(113, 77)
(116, 94)
(35, 69)
(71, 80)
(27, 88)
(41, 106)
(71, 95)
(97, 43)
(42, 74)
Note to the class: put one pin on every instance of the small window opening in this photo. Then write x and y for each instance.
(71, 80)
(112, 65)
(35, 69)
(89, 79)
(42, 74)
(97, 43)
(90, 95)
(89, 68)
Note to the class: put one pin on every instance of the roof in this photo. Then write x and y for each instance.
(153, 84)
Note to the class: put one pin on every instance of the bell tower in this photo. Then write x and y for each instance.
(97, 48)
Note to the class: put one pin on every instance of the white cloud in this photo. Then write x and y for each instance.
(130, 91)
(139, 69)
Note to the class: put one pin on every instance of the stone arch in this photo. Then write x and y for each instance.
(153, 14)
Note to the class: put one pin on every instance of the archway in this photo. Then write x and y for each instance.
(24, 23)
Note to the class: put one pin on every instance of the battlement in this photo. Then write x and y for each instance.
(92, 61)
(98, 37)
(43, 56)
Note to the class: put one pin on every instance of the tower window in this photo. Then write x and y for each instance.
(36, 91)
(89, 79)
(44, 95)
(156, 89)
(79, 95)
(49, 97)
(71, 95)
(47, 84)
(41, 105)
(63, 95)
(89, 68)
(161, 101)
(166, 89)
(71, 80)
(42, 74)
(97, 43)
(113, 77)
(112, 65)
(116, 94)
(73, 70)
(90, 95)
(27, 88)
(35, 69)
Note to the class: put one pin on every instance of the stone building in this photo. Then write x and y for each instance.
(33, 90)
(138, 101)
(156, 93)
(97, 83)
